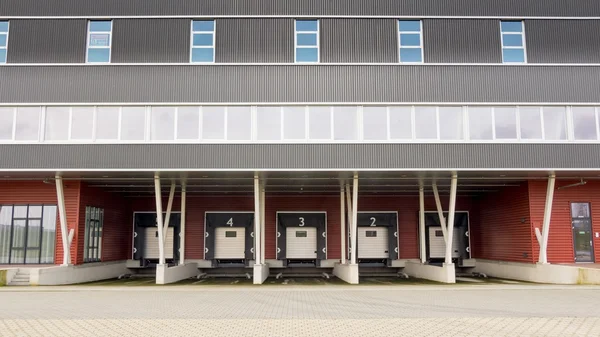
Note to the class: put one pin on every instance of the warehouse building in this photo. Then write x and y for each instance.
(303, 137)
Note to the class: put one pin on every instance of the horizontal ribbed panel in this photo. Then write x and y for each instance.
(293, 83)
(254, 40)
(310, 156)
(47, 41)
(462, 41)
(301, 7)
(150, 40)
(563, 41)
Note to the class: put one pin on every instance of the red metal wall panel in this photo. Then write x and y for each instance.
(37, 192)
(504, 231)
(560, 240)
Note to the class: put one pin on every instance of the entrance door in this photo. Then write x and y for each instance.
(582, 232)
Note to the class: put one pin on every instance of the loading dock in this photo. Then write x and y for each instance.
(301, 238)
(146, 242)
(435, 244)
(228, 238)
(377, 238)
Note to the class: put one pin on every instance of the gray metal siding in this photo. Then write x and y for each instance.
(47, 41)
(302, 7)
(299, 83)
(563, 41)
(359, 40)
(300, 156)
(462, 41)
(151, 40)
(254, 40)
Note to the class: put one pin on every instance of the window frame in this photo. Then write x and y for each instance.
(318, 45)
(524, 41)
(421, 42)
(98, 228)
(5, 48)
(110, 41)
(213, 33)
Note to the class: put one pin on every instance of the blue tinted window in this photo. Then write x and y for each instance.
(512, 40)
(203, 39)
(100, 26)
(307, 26)
(202, 55)
(203, 26)
(98, 55)
(409, 26)
(513, 55)
(410, 40)
(99, 40)
(2, 55)
(3, 26)
(2, 40)
(306, 39)
(511, 26)
(410, 55)
(307, 55)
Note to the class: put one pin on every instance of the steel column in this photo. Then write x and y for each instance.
(543, 258)
(169, 208)
(423, 251)
(60, 195)
(440, 211)
(159, 220)
(182, 231)
(257, 217)
(343, 225)
(348, 219)
(262, 223)
(353, 233)
(451, 208)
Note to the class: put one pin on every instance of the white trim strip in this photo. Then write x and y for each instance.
(320, 64)
(179, 170)
(391, 104)
(299, 16)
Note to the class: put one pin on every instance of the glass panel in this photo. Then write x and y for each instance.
(400, 123)
(512, 40)
(294, 122)
(188, 122)
(2, 55)
(425, 123)
(306, 39)
(28, 123)
(48, 234)
(2, 40)
(100, 26)
(35, 211)
(213, 122)
(239, 123)
(18, 241)
(409, 26)
(530, 120)
(133, 123)
(451, 123)
(268, 123)
(505, 119)
(99, 55)
(319, 122)
(580, 210)
(375, 123)
(33, 255)
(202, 54)
(555, 123)
(99, 40)
(582, 240)
(307, 25)
(82, 122)
(410, 40)
(162, 123)
(410, 55)
(203, 40)
(203, 26)
(480, 123)
(584, 123)
(4, 26)
(511, 26)
(33, 234)
(57, 123)
(20, 212)
(107, 123)
(513, 55)
(307, 54)
(6, 123)
(5, 225)
(345, 123)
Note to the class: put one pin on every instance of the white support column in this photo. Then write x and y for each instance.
(257, 221)
(262, 223)
(159, 220)
(353, 233)
(543, 258)
(169, 208)
(60, 196)
(343, 225)
(348, 219)
(451, 208)
(182, 231)
(440, 211)
(422, 234)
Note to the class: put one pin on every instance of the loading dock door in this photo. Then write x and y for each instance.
(151, 249)
(230, 243)
(437, 245)
(373, 243)
(301, 242)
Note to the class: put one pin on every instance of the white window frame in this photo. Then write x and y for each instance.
(400, 47)
(97, 247)
(296, 46)
(214, 41)
(87, 43)
(524, 47)
(7, 33)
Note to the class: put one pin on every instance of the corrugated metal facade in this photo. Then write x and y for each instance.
(299, 83)
(252, 40)
(462, 41)
(563, 41)
(359, 40)
(46, 41)
(504, 231)
(147, 41)
(298, 156)
(302, 7)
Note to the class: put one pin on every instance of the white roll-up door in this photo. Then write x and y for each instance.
(301, 243)
(151, 250)
(230, 242)
(373, 243)
(437, 245)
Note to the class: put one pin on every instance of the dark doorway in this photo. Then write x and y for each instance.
(582, 232)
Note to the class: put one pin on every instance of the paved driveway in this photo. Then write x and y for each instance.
(328, 310)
